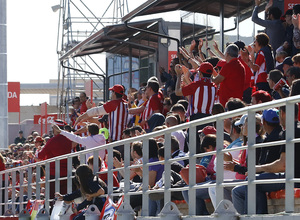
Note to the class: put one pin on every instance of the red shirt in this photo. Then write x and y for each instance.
(261, 74)
(203, 93)
(56, 146)
(2, 167)
(248, 74)
(83, 107)
(154, 103)
(233, 83)
(117, 118)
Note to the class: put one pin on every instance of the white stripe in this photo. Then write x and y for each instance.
(205, 99)
(196, 100)
(213, 94)
(120, 124)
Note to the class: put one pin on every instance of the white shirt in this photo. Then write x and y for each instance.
(89, 142)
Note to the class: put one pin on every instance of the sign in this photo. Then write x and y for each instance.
(37, 119)
(13, 96)
(171, 56)
(288, 4)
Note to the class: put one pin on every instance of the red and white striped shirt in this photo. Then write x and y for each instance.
(261, 74)
(154, 103)
(117, 118)
(203, 93)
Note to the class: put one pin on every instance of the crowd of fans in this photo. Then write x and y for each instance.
(194, 87)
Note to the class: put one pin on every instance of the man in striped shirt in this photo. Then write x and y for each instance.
(154, 104)
(202, 92)
(117, 110)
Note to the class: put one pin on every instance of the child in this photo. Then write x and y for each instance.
(90, 186)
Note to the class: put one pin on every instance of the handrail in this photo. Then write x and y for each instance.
(219, 184)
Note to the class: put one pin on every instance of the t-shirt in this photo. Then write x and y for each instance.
(261, 74)
(159, 168)
(117, 119)
(83, 107)
(56, 146)
(154, 103)
(202, 95)
(233, 83)
(248, 74)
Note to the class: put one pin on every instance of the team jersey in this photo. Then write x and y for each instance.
(261, 74)
(203, 93)
(154, 103)
(117, 118)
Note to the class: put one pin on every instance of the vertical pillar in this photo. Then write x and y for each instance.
(222, 26)
(3, 77)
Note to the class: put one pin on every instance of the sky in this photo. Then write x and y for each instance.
(32, 29)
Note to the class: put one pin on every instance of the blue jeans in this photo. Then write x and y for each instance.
(154, 207)
(201, 195)
(240, 198)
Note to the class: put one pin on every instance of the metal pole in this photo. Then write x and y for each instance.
(3, 77)
(222, 26)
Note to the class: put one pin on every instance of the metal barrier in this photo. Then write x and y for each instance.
(219, 119)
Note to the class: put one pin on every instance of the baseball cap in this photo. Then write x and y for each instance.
(117, 89)
(288, 61)
(242, 120)
(271, 115)
(221, 63)
(38, 139)
(206, 68)
(60, 123)
(208, 130)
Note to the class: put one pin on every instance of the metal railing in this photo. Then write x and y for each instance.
(192, 156)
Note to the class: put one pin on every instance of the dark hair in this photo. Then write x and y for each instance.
(178, 107)
(174, 98)
(83, 93)
(217, 109)
(127, 131)
(136, 128)
(93, 129)
(68, 128)
(161, 152)
(183, 102)
(153, 148)
(90, 160)
(154, 86)
(212, 60)
(168, 101)
(263, 40)
(117, 154)
(85, 175)
(276, 12)
(294, 71)
(138, 148)
(296, 9)
(283, 108)
(174, 143)
(295, 89)
(118, 96)
(234, 103)
(275, 75)
(208, 140)
(76, 99)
